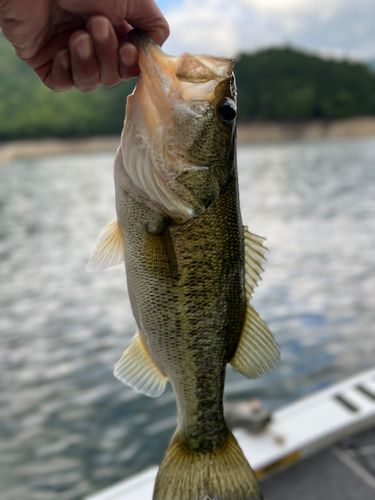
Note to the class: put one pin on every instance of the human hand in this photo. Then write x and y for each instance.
(80, 43)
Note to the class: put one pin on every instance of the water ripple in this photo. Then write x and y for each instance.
(68, 427)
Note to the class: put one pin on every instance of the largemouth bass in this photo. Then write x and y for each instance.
(191, 266)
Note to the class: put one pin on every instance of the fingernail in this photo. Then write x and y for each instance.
(99, 28)
(83, 46)
(128, 54)
(65, 59)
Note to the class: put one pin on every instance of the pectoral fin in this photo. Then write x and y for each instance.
(137, 369)
(160, 252)
(170, 253)
(109, 249)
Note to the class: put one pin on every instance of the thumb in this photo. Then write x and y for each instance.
(21, 26)
(142, 14)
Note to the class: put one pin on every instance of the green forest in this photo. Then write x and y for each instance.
(285, 84)
(273, 84)
(28, 109)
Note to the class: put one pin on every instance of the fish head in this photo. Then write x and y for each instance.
(178, 142)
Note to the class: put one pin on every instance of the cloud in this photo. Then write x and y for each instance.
(293, 7)
(208, 26)
(218, 27)
(227, 27)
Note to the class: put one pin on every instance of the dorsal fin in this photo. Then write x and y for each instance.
(109, 249)
(257, 352)
(254, 257)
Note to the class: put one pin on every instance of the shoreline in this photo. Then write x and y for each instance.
(257, 132)
(26, 148)
(309, 130)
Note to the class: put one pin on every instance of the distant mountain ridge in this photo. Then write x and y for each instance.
(286, 84)
(28, 109)
(273, 84)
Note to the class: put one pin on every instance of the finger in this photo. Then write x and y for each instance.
(56, 75)
(145, 15)
(85, 69)
(106, 50)
(60, 78)
(122, 31)
(128, 61)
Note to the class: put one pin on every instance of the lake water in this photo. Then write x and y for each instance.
(67, 426)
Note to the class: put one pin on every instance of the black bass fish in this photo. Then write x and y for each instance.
(191, 266)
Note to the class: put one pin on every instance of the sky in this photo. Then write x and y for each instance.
(334, 28)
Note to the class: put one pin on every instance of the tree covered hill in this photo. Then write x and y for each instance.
(285, 84)
(28, 109)
(274, 84)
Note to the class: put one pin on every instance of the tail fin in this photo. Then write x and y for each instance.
(188, 475)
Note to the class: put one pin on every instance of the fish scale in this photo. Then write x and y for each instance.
(191, 266)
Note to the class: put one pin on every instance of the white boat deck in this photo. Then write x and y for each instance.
(295, 432)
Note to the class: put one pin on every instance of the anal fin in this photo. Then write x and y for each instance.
(137, 369)
(257, 352)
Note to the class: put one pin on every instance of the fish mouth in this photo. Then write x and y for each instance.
(176, 75)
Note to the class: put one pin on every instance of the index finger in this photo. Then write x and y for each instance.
(142, 14)
(148, 17)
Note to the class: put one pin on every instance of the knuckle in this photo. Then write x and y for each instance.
(128, 73)
(75, 35)
(110, 81)
(86, 88)
(57, 86)
(63, 88)
(86, 82)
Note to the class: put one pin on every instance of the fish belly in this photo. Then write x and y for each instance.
(190, 322)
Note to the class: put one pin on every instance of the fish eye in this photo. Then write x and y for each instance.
(227, 111)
